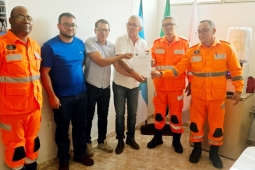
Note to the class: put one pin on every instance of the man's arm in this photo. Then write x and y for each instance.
(47, 84)
(119, 68)
(99, 60)
(236, 96)
(131, 71)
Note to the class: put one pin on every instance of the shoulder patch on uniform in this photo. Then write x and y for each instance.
(158, 39)
(224, 41)
(3, 36)
(194, 45)
(183, 38)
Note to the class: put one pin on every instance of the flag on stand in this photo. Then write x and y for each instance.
(192, 37)
(167, 13)
(142, 109)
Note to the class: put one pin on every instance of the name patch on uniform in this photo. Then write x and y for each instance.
(196, 59)
(10, 47)
(178, 51)
(37, 55)
(219, 56)
(160, 51)
(13, 57)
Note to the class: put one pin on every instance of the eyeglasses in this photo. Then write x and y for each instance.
(203, 31)
(132, 25)
(103, 30)
(168, 25)
(67, 25)
(22, 18)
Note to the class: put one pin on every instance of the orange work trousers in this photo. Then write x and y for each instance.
(214, 112)
(20, 137)
(174, 101)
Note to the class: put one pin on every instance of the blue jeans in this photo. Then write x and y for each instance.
(74, 109)
(121, 94)
(101, 98)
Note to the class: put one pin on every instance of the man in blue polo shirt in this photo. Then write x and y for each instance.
(63, 80)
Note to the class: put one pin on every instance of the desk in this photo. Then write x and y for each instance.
(246, 160)
(236, 127)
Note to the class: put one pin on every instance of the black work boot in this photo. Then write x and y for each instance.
(196, 153)
(156, 140)
(32, 166)
(214, 157)
(120, 146)
(177, 143)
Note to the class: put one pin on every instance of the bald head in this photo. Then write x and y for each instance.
(21, 22)
(17, 9)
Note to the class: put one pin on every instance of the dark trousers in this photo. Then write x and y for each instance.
(101, 98)
(121, 95)
(74, 109)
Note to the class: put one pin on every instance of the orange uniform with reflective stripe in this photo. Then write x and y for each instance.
(169, 91)
(220, 57)
(18, 67)
(20, 96)
(208, 86)
(168, 55)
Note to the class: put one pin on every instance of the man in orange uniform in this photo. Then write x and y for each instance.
(167, 52)
(209, 62)
(20, 92)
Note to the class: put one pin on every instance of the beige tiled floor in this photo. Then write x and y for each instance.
(162, 157)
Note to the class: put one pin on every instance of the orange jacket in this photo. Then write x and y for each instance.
(166, 56)
(209, 68)
(20, 87)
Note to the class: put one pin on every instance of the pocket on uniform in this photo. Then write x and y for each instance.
(219, 62)
(14, 64)
(196, 63)
(160, 61)
(17, 97)
(179, 82)
(218, 89)
(197, 88)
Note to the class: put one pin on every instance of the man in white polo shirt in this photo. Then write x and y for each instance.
(126, 88)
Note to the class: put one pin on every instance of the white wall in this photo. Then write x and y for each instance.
(45, 14)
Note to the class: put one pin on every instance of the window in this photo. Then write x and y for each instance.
(178, 2)
(226, 1)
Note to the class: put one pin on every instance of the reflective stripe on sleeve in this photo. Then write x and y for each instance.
(237, 78)
(162, 68)
(5, 126)
(175, 72)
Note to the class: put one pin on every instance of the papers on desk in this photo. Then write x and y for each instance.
(246, 160)
(142, 63)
